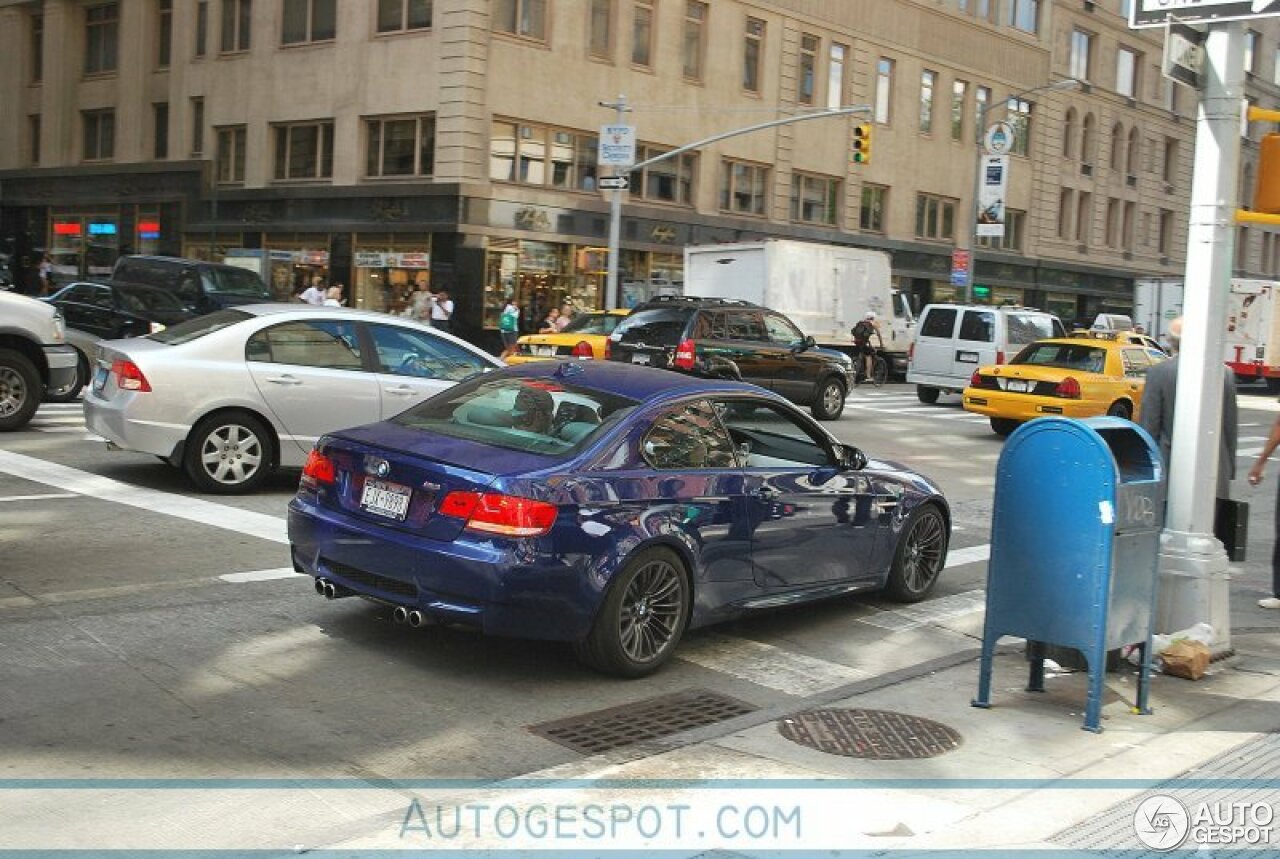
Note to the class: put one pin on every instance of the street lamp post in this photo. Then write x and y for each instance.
(979, 133)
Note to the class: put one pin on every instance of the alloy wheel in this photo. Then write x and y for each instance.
(922, 554)
(13, 391)
(231, 454)
(832, 397)
(651, 609)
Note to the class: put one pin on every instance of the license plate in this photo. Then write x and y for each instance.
(545, 351)
(385, 498)
(100, 379)
(639, 358)
(1018, 386)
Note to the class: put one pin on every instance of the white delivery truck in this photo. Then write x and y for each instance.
(1156, 303)
(1252, 339)
(824, 289)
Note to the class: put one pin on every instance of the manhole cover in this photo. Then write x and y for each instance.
(874, 734)
(615, 727)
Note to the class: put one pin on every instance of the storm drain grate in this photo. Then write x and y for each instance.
(602, 730)
(872, 734)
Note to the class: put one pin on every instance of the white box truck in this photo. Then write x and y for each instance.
(1252, 339)
(824, 289)
(1156, 303)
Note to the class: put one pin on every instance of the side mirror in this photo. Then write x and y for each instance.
(852, 458)
(807, 343)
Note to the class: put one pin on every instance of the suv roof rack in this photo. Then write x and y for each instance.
(696, 299)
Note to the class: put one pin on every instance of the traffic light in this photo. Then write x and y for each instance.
(1266, 191)
(862, 143)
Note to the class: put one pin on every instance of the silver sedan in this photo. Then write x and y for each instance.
(229, 396)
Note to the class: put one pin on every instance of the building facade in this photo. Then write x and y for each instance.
(381, 143)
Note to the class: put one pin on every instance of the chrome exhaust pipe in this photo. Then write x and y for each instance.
(319, 585)
(417, 619)
(400, 615)
(330, 591)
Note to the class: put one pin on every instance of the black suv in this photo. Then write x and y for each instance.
(730, 339)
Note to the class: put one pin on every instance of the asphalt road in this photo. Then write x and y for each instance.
(148, 631)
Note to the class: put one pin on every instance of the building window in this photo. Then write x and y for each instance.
(1069, 132)
(1087, 139)
(600, 29)
(37, 48)
(33, 140)
(1170, 167)
(669, 181)
(642, 34)
(1024, 15)
(526, 18)
(164, 46)
(538, 155)
(397, 16)
(752, 54)
(309, 21)
(695, 43)
(981, 104)
(1113, 223)
(1084, 217)
(871, 212)
(160, 130)
(99, 134)
(935, 217)
(805, 79)
(1081, 51)
(815, 199)
(1165, 239)
(102, 34)
(197, 127)
(1131, 152)
(404, 146)
(1020, 118)
(1117, 146)
(1242, 249)
(304, 150)
(236, 16)
(1275, 67)
(1066, 205)
(743, 188)
(835, 76)
(1127, 65)
(959, 90)
(884, 91)
(927, 81)
(231, 140)
(202, 28)
(1126, 227)
(1015, 225)
(1251, 52)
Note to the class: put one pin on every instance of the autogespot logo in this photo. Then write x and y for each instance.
(1161, 822)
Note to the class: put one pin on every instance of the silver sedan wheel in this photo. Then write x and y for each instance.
(13, 392)
(231, 454)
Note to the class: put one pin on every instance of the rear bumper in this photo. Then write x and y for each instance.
(998, 404)
(111, 420)
(494, 588)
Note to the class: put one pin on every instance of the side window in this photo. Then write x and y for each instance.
(688, 437)
(1136, 362)
(188, 287)
(100, 296)
(406, 352)
(781, 331)
(319, 343)
(979, 326)
(939, 322)
(82, 294)
(744, 325)
(767, 437)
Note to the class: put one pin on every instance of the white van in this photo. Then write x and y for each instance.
(953, 340)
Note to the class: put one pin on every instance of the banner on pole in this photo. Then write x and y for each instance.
(993, 189)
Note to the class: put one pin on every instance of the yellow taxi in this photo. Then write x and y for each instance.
(584, 337)
(1081, 376)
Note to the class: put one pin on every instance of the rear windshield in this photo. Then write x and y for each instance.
(139, 298)
(194, 329)
(235, 281)
(543, 416)
(594, 323)
(659, 326)
(1030, 327)
(1067, 356)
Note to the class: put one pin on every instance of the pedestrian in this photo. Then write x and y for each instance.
(862, 333)
(550, 325)
(509, 326)
(1157, 411)
(419, 303)
(442, 310)
(315, 293)
(566, 316)
(1255, 477)
(46, 275)
(334, 296)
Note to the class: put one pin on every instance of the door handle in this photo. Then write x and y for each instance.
(402, 391)
(284, 380)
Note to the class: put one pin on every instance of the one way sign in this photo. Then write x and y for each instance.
(1156, 13)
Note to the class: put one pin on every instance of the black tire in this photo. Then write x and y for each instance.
(71, 392)
(926, 394)
(828, 403)
(20, 390)
(229, 453)
(1003, 426)
(1120, 409)
(920, 556)
(630, 637)
(879, 371)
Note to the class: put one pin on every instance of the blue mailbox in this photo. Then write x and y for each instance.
(1075, 535)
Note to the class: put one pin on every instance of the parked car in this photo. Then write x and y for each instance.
(233, 394)
(610, 506)
(953, 340)
(34, 357)
(202, 287)
(1077, 377)
(719, 338)
(587, 336)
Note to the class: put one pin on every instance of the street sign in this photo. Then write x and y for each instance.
(1154, 13)
(617, 146)
(614, 183)
(1183, 55)
(959, 267)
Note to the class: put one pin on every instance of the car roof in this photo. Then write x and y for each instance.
(182, 261)
(629, 380)
(692, 302)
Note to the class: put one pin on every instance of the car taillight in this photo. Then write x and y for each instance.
(506, 515)
(975, 380)
(129, 377)
(685, 353)
(155, 327)
(583, 350)
(319, 469)
(911, 353)
(1068, 388)
(999, 357)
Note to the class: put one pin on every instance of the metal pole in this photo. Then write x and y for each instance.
(1193, 565)
(615, 222)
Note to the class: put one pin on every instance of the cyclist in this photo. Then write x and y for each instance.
(867, 328)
